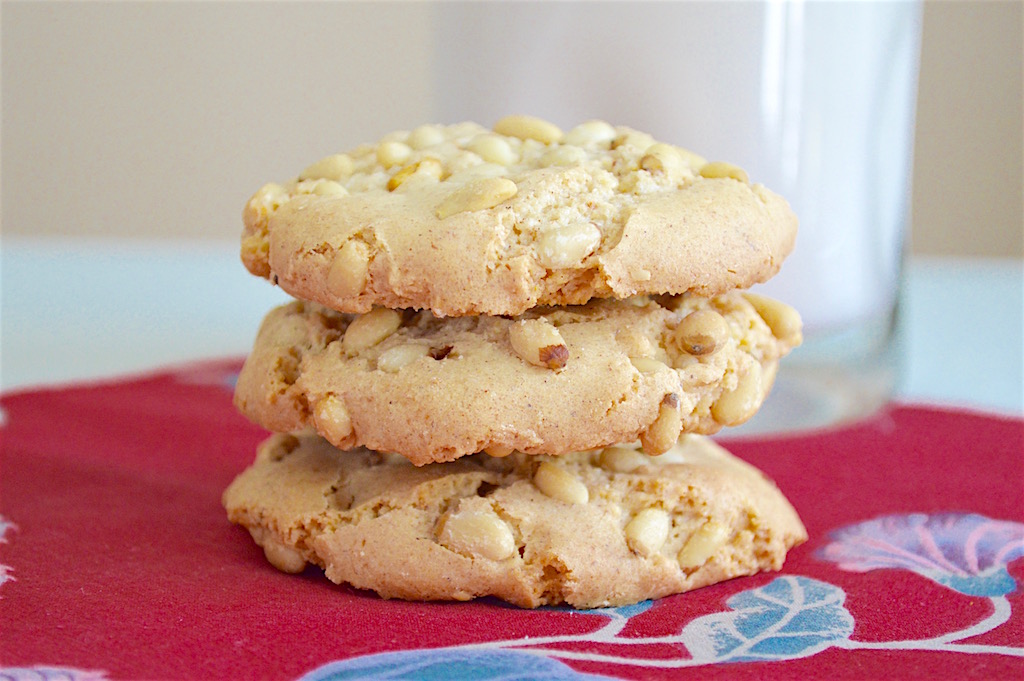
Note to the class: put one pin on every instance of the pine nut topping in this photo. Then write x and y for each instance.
(662, 158)
(590, 133)
(367, 330)
(392, 153)
(284, 558)
(529, 128)
(721, 169)
(633, 138)
(269, 198)
(348, 272)
(739, 404)
(702, 544)
(425, 136)
(567, 245)
(560, 484)
(647, 531)
(477, 533)
(538, 342)
(663, 434)
(428, 167)
(646, 365)
(493, 149)
(328, 188)
(401, 176)
(702, 332)
(337, 167)
(619, 459)
(498, 451)
(480, 194)
(783, 320)
(332, 419)
(563, 156)
(393, 359)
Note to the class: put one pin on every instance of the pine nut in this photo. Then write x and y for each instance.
(337, 167)
(392, 153)
(477, 533)
(720, 169)
(332, 419)
(633, 138)
(367, 330)
(328, 188)
(567, 245)
(425, 136)
(400, 177)
(739, 404)
(590, 133)
(428, 167)
(702, 332)
(269, 197)
(498, 451)
(284, 558)
(319, 188)
(493, 149)
(663, 434)
(558, 483)
(393, 359)
(662, 158)
(702, 544)
(783, 320)
(619, 459)
(538, 342)
(563, 156)
(349, 270)
(528, 128)
(480, 194)
(646, 365)
(647, 531)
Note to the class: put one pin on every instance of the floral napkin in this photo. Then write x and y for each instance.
(117, 562)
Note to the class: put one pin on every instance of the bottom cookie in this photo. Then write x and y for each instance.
(603, 528)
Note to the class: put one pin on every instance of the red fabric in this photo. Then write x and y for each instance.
(120, 559)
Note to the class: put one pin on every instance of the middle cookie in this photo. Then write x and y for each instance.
(550, 381)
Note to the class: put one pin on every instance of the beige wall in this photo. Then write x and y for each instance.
(141, 120)
(968, 177)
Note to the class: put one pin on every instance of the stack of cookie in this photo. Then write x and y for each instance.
(506, 351)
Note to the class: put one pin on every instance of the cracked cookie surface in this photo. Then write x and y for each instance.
(551, 381)
(591, 529)
(465, 220)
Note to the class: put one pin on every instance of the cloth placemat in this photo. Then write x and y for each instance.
(117, 561)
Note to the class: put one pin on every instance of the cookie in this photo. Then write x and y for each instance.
(464, 220)
(591, 529)
(550, 381)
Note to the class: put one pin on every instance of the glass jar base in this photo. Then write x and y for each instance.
(814, 397)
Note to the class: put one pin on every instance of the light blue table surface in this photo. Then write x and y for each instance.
(79, 310)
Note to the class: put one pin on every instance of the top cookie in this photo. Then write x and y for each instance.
(464, 220)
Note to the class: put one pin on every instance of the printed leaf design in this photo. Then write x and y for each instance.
(450, 664)
(788, 618)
